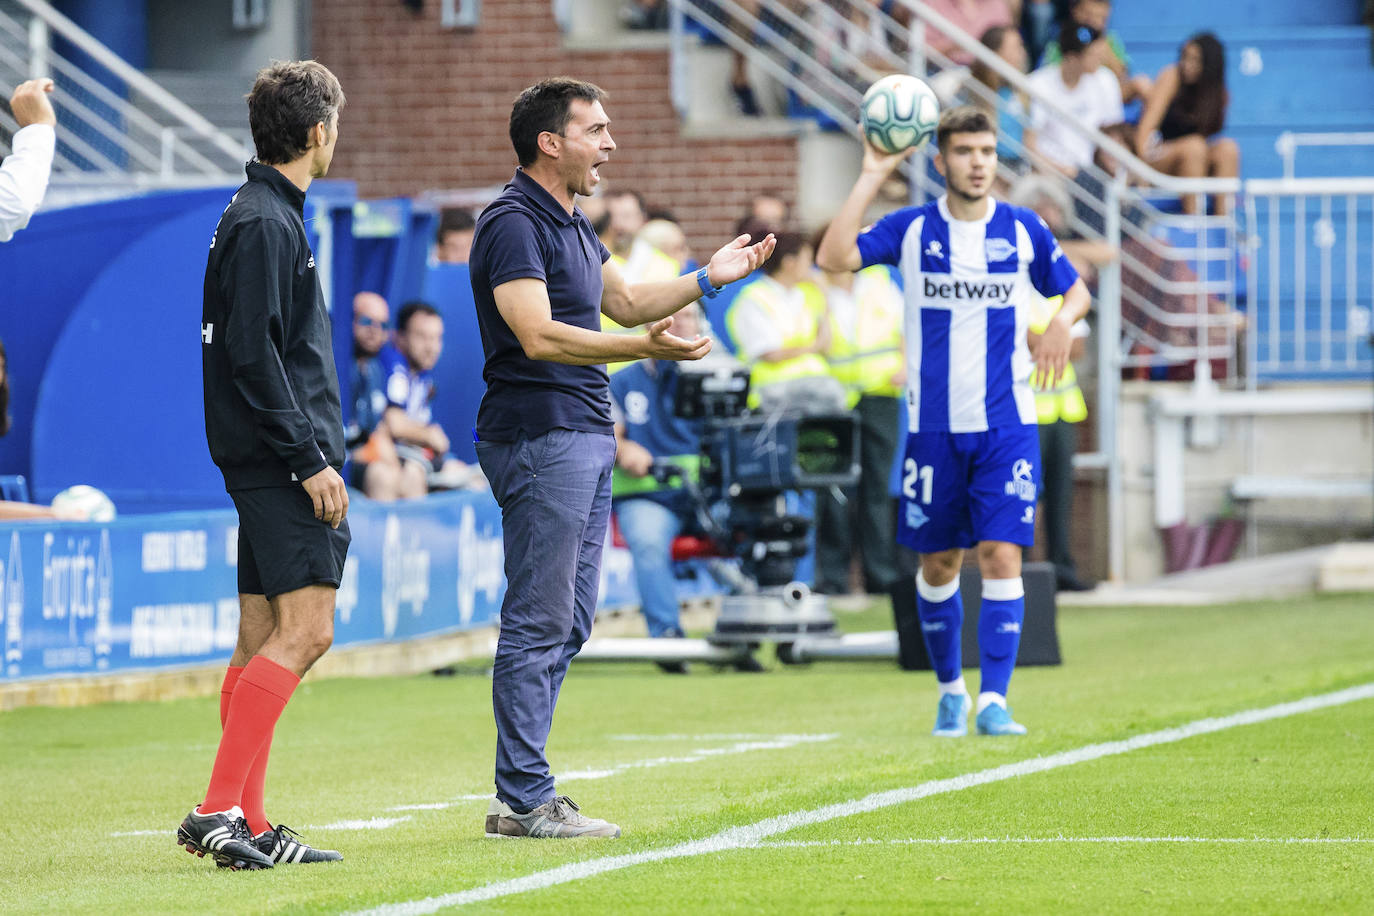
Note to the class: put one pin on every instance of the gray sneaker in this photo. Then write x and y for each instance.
(557, 818)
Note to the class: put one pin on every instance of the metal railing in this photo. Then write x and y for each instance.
(119, 129)
(1298, 327)
(1288, 144)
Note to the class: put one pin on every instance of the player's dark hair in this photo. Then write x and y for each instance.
(412, 308)
(4, 391)
(964, 119)
(788, 243)
(287, 100)
(546, 106)
(454, 219)
(1075, 38)
(1203, 102)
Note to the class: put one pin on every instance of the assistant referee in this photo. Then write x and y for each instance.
(275, 429)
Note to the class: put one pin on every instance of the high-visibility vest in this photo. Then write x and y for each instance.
(646, 264)
(864, 355)
(795, 313)
(1064, 402)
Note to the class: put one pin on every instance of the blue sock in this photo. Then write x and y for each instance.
(999, 631)
(942, 622)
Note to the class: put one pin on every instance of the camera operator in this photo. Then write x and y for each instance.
(650, 510)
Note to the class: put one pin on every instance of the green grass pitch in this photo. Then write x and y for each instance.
(1272, 817)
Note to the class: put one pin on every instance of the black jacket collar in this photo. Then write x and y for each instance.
(278, 182)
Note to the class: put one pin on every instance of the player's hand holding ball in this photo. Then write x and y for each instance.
(898, 115)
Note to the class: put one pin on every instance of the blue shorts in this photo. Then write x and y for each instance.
(962, 488)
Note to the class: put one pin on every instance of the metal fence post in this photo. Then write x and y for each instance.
(1109, 379)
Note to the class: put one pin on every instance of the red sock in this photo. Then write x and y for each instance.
(257, 702)
(254, 809)
(231, 677)
(252, 804)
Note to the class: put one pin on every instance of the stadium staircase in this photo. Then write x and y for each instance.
(121, 131)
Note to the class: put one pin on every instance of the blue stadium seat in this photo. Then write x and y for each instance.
(14, 488)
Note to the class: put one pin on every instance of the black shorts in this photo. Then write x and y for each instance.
(282, 546)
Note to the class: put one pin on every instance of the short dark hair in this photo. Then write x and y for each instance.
(788, 243)
(412, 308)
(1075, 38)
(454, 219)
(287, 100)
(965, 119)
(546, 106)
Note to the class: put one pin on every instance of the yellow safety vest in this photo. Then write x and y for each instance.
(646, 264)
(1064, 402)
(796, 316)
(864, 357)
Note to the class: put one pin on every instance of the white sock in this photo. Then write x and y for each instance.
(987, 699)
(954, 686)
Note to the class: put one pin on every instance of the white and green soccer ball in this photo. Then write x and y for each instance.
(83, 503)
(898, 112)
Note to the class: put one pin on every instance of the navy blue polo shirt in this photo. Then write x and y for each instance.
(525, 233)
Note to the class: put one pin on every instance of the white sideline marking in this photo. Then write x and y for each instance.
(779, 742)
(144, 833)
(745, 736)
(752, 834)
(432, 806)
(1035, 840)
(372, 823)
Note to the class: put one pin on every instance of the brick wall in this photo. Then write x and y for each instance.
(428, 108)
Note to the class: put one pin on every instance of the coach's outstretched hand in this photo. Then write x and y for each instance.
(330, 496)
(661, 343)
(739, 259)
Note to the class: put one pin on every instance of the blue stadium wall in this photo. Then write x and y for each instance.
(100, 315)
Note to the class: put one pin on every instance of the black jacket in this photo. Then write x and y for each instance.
(272, 414)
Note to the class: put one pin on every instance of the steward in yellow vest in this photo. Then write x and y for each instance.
(1059, 410)
(864, 311)
(648, 262)
(779, 329)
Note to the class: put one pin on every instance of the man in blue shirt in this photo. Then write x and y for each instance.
(651, 512)
(375, 468)
(969, 473)
(541, 280)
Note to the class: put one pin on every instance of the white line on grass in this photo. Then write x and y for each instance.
(753, 834)
(144, 833)
(742, 736)
(372, 823)
(780, 742)
(1035, 840)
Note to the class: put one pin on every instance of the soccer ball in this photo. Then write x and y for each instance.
(84, 503)
(898, 112)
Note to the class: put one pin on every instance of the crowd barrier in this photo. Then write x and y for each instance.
(158, 592)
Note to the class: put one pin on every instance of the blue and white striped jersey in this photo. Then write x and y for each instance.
(968, 287)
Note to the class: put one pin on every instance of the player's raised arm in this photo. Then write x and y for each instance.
(839, 249)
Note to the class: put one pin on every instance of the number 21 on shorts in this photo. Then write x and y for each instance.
(911, 473)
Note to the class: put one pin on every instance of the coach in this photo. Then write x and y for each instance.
(541, 280)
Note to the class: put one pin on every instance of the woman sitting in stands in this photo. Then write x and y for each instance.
(1187, 107)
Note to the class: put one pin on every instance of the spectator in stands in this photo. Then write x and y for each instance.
(865, 311)
(972, 16)
(626, 214)
(453, 240)
(651, 511)
(778, 324)
(645, 14)
(1039, 19)
(660, 252)
(24, 173)
(409, 395)
(1179, 133)
(1087, 90)
(1095, 14)
(376, 468)
(769, 212)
